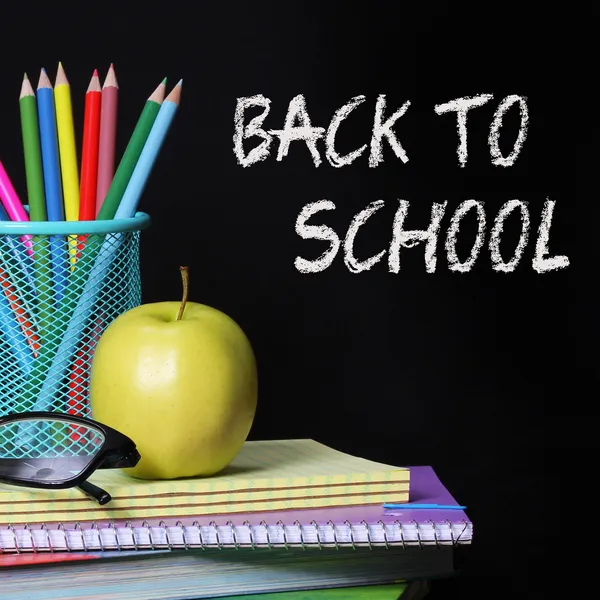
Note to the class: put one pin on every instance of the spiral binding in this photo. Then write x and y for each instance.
(60, 538)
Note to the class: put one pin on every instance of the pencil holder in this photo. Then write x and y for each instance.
(62, 283)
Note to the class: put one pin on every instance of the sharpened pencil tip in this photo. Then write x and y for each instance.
(164, 81)
(61, 76)
(44, 81)
(95, 74)
(26, 88)
(175, 95)
(111, 78)
(180, 82)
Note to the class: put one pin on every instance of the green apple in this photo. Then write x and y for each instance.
(180, 379)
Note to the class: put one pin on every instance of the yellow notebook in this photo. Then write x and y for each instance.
(265, 476)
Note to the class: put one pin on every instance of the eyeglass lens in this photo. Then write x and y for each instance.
(46, 450)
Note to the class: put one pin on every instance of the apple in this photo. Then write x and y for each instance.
(180, 379)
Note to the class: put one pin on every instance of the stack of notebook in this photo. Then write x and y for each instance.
(289, 515)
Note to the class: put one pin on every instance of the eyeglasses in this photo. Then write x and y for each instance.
(56, 451)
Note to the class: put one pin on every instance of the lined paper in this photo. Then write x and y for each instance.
(266, 475)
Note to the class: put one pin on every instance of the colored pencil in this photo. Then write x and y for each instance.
(49, 146)
(89, 153)
(23, 319)
(143, 168)
(9, 319)
(18, 303)
(37, 198)
(132, 153)
(24, 262)
(32, 153)
(76, 395)
(12, 204)
(101, 259)
(52, 178)
(79, 375)
(108, 136)
(66, 144)
(68, 153)
(12, 333)
(9, 198)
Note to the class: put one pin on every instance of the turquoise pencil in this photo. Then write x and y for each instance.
(143, 168)
(52, 179)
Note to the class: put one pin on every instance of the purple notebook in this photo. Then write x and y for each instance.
(356, 525)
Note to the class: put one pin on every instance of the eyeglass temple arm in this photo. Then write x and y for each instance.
(95, 493)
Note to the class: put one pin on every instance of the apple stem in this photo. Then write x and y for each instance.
(185, 278)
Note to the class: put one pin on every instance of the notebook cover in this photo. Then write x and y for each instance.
(415, 590)
(394, 591)
(44, 558)
(265, 476)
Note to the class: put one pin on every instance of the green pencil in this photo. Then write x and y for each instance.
(37, 212)
(31, 150)
(132, 153)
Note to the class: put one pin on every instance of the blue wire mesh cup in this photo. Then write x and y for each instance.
(61, 284)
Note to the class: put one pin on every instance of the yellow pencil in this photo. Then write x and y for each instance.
(68, 152)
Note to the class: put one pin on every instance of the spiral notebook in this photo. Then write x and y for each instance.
(353, 527)
(265, 476)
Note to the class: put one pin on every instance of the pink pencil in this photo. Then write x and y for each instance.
(13, 205)
(108, 134)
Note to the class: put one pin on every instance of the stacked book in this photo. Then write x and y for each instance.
(286, 517)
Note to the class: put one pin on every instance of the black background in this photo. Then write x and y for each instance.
(460, 371)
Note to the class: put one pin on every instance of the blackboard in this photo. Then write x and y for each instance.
(460, 370)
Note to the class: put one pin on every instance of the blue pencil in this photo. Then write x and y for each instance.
(426, 506)
(52, 180)
(156, 137)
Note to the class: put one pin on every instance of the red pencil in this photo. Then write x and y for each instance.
(89, 154)
(79, 377)
(21, 315)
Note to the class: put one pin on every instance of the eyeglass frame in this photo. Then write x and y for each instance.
(117, 451)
